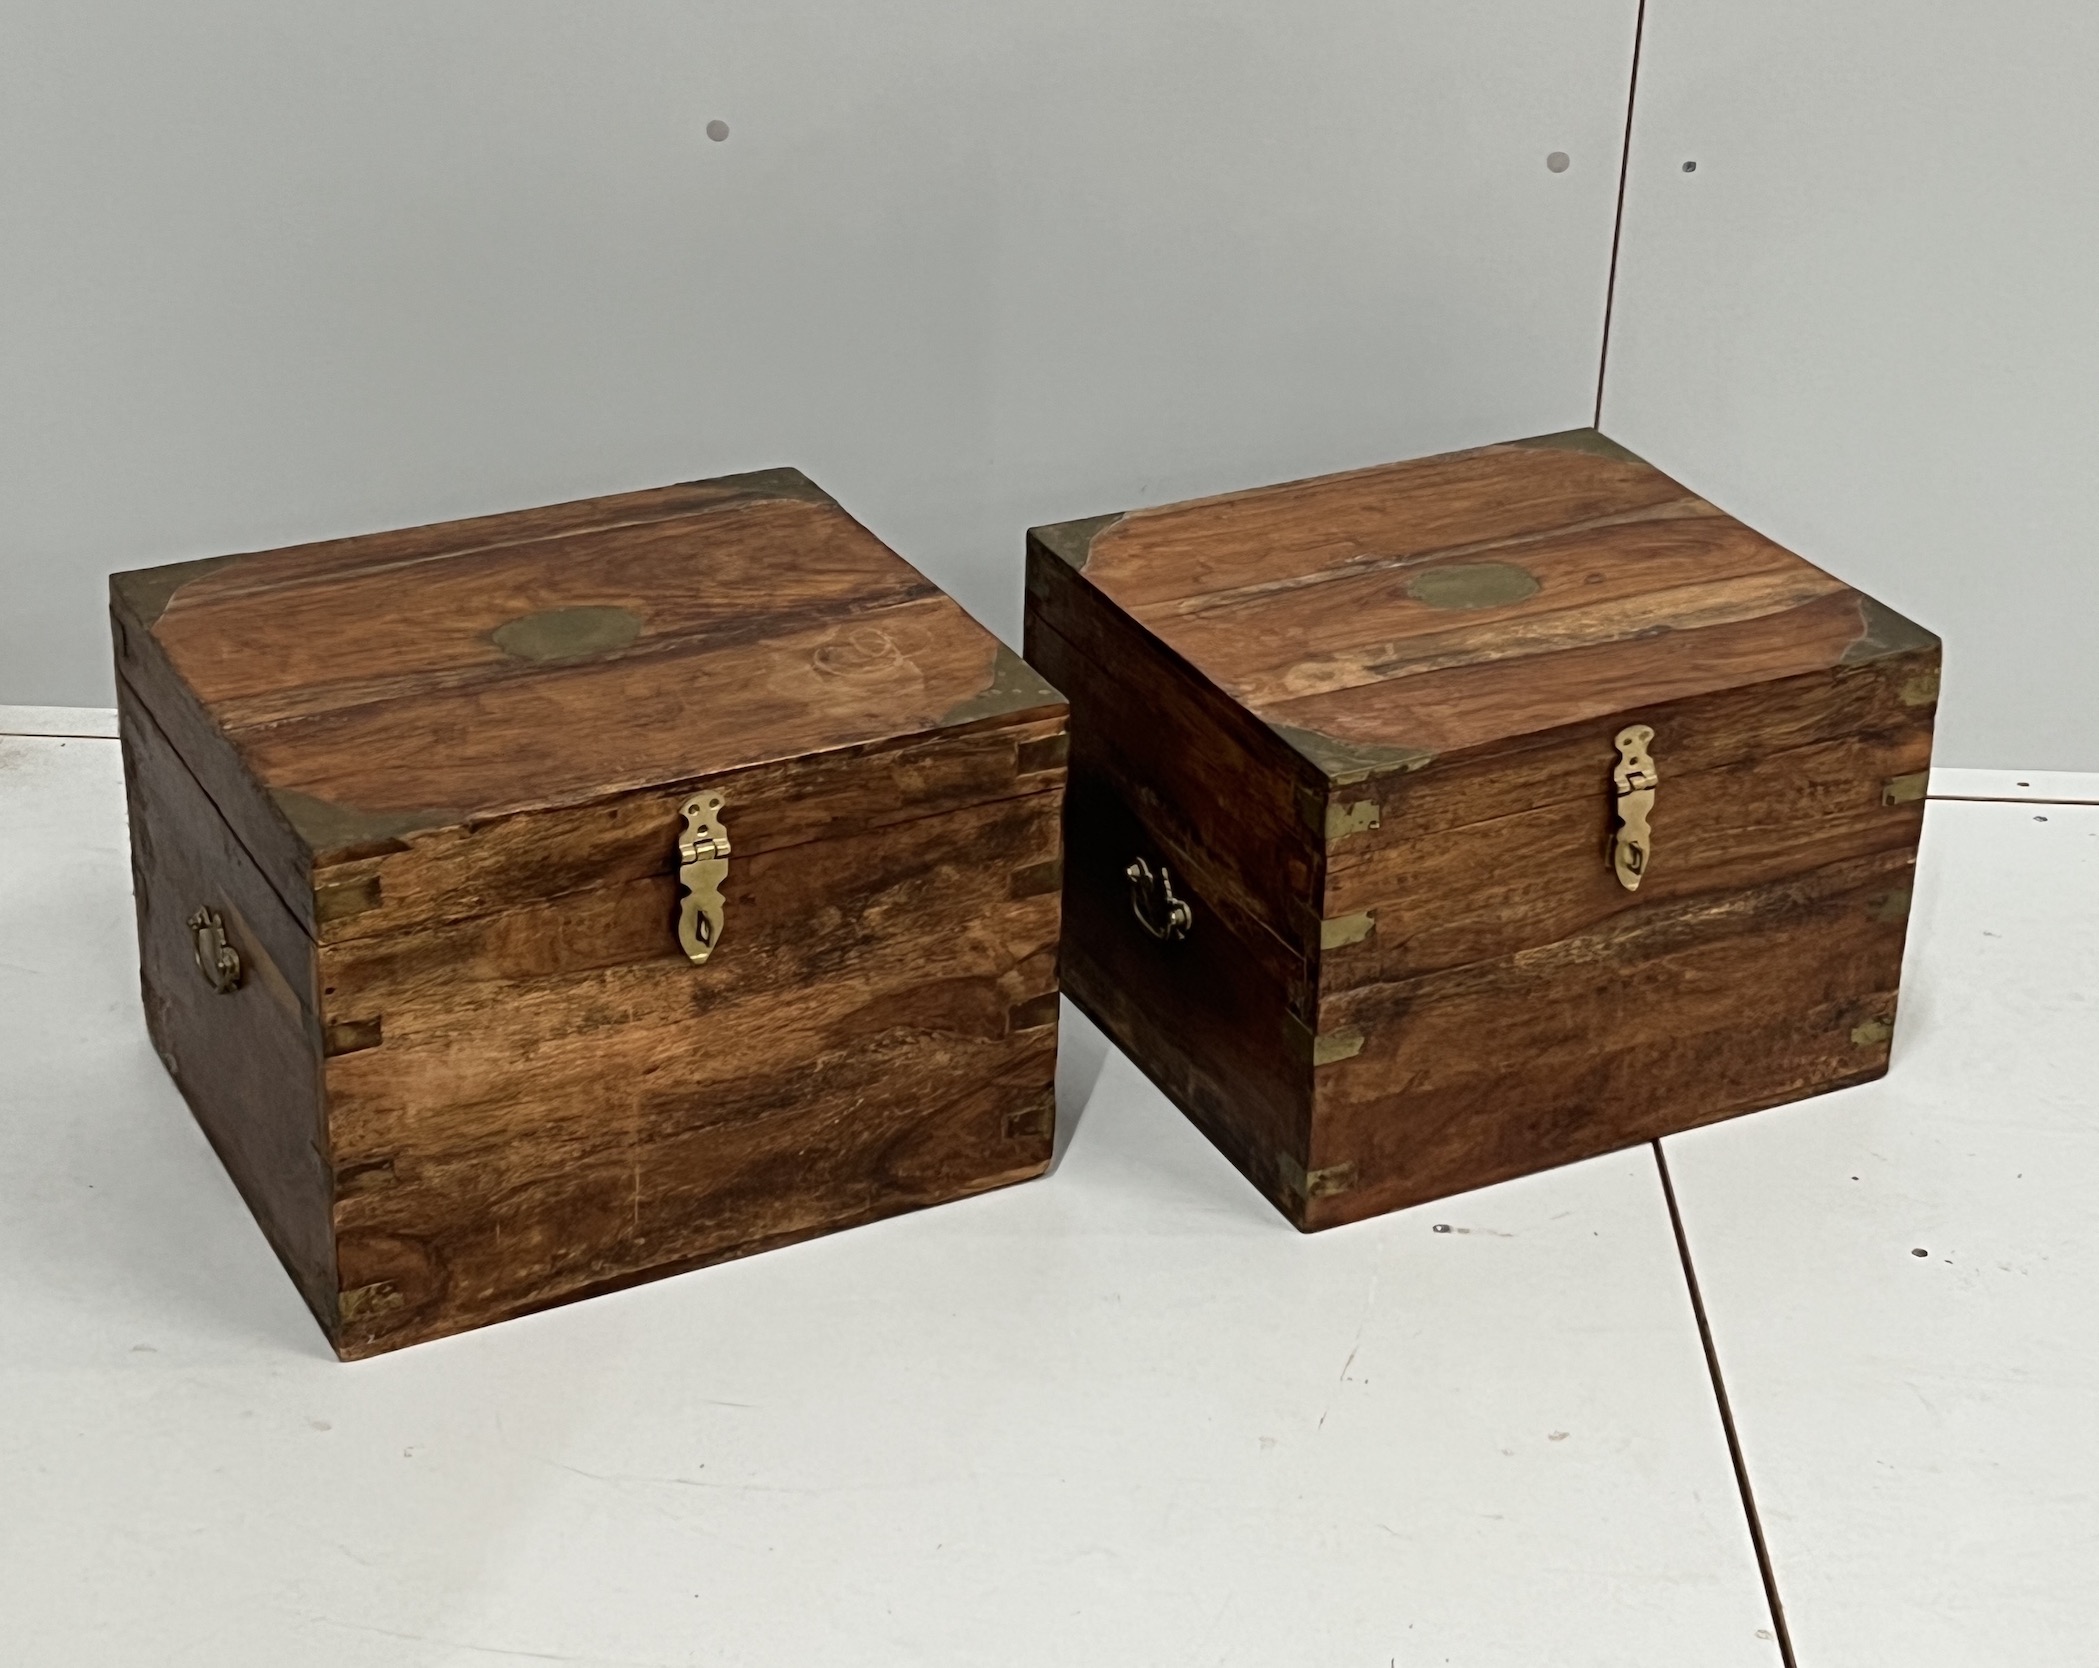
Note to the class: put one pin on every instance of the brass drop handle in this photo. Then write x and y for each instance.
(217, 960)
(1158, 911)
(703, 865)
(1635, 778)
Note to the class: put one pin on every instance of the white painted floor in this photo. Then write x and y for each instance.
(1903, 1280)
(1123, 1415)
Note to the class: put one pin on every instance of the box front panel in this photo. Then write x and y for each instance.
(548, 1100)
(1512, 1004)
(490, 865)
(1656, 1020)
(1512, 848)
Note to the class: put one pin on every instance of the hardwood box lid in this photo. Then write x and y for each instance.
(1383, 618)
(381, 687)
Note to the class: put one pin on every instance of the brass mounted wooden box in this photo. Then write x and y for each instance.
(1435, 823)
(535, 904)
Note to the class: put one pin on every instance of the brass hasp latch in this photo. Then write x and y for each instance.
(1635, 778)
(703, 864)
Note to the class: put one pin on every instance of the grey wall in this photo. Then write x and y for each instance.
(277, 271)
(273, 270)
(1869, 322)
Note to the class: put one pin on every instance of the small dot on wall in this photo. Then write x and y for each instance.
(1690, 167)
(717, 130)
(1557, 162)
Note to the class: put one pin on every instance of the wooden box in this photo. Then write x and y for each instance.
(1436, 823)
(537, 904)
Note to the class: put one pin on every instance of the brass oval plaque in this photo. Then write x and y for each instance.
(557, 634)
(866, 651)
(1473, 585)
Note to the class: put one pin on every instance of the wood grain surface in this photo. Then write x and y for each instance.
(1758, 784)
(434, 780)
(550, 1100)
(1272, 537)
(1662, 1018)
(1338, 607)
(1371, 718)
(441, 676)
(1227, 793)
(1208, 1017)
(471, 869)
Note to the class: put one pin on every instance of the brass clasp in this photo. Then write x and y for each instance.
(217, 960)
(1158, 911)
(703, 865)
(1635, 778)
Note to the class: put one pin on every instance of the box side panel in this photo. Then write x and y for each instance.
(1208, 1015)
(1209, 779)
(1512, 1006)
(549, 1099)
(156, 687)
(1490, 853)
(248, 1061)
(1656, 1020)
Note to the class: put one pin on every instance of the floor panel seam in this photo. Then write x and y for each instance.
(1772, 1601)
